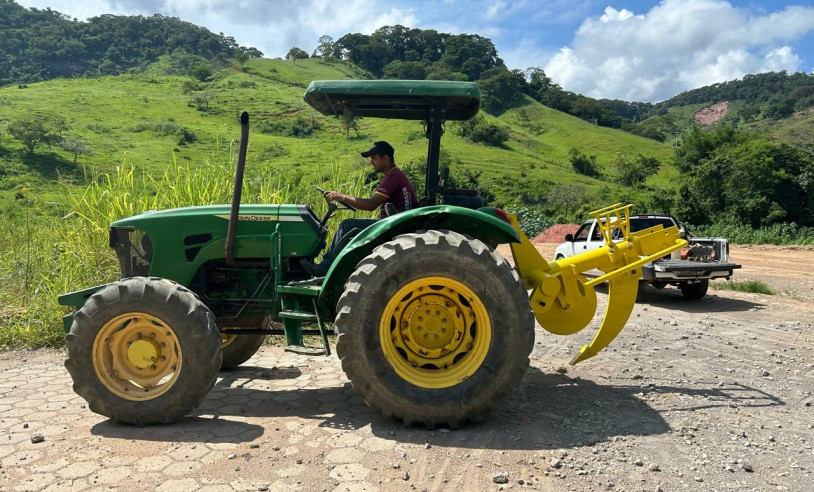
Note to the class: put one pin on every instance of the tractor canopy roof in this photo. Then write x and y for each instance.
(399, 99)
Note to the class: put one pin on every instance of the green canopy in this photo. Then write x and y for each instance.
(399, 99)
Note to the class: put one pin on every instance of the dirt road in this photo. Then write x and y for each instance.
(707, 395)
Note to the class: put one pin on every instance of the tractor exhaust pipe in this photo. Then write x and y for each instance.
(238, 190)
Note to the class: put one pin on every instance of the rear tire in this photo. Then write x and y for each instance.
(143, 351)
(434, 328)
(695, 291)
(237, 349)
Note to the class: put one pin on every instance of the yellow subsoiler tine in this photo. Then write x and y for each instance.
(622, 292)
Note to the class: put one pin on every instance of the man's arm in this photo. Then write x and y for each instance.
(371, 203)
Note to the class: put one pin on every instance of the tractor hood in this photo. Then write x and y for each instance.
(217, 213)
(180, 240)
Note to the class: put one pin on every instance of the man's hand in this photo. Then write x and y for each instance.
(335, 196)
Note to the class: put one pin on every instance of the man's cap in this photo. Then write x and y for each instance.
(379, 148)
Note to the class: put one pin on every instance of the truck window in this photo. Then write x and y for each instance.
(596, 235)
(641, 223)
(582, 232)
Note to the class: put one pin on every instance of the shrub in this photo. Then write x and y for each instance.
(187, 136)
(531, 220)
(480, 130)
(583, 164)
(298, 127)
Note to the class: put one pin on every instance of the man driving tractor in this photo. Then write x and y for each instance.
(395, 187)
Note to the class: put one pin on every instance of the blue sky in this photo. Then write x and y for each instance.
(620, 49)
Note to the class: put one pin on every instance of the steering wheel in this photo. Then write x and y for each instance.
(334, 205)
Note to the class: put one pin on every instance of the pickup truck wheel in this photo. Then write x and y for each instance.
(434, 328)
(143, 351)
(237, 349)
(695, 291)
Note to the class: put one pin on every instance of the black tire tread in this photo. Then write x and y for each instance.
(373, 388)
(198, 335)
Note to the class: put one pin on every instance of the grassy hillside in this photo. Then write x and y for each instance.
(141, 120)
(797, 130)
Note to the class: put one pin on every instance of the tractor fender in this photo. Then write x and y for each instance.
(484, 224)
(76, 300)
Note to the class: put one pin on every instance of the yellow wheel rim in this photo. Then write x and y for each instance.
(137, 356)
(435, 332)
(226, 340)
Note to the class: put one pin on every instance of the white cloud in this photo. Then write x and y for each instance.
(676, 46)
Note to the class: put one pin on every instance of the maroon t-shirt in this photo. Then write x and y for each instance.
(397, 188)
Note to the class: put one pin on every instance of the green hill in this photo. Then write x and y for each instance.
(149, 120)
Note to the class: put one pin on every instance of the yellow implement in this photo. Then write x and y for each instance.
(563, 299)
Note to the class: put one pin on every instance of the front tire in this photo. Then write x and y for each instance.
(434, 328)
(696, 290)
(143, 351)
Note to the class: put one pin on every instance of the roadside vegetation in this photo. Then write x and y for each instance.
(752, 286)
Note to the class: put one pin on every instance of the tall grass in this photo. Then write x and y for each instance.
(46, 255)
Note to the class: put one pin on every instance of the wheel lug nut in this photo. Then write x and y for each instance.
(153, 368)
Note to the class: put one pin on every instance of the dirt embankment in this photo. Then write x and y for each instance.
(712, 114)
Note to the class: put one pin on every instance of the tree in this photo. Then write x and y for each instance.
(37, 129)
(201, 72)
(635, 172)
(325, 47)
(567, 197)
(295, 54)
(76, 146)
(405, 70)
(242, 57)
(202, 100)
(349, 122)
(190, 86)
(501, 89)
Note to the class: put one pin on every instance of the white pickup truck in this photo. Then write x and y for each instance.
(689, 269)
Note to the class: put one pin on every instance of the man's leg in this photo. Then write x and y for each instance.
(347, 229)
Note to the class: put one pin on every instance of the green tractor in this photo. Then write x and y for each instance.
(432, 325)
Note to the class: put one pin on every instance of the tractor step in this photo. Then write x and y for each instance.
(302, 289)
(303, 316)
(303, 350)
